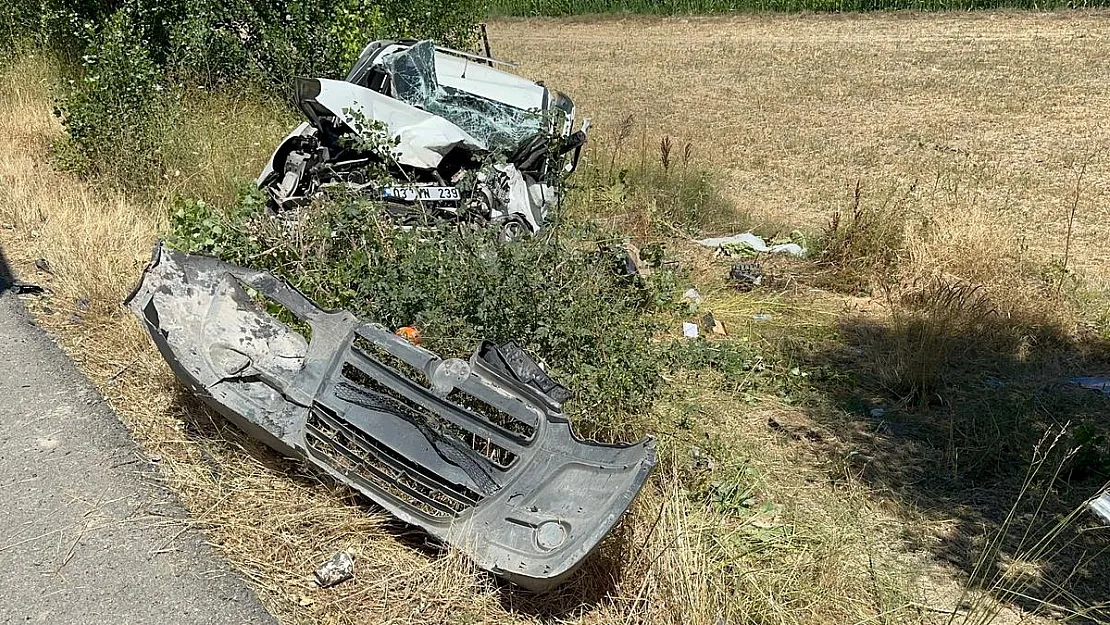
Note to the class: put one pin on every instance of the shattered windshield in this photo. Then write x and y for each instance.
(500, 126)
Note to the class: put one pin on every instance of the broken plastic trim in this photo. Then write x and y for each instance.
(528, 508)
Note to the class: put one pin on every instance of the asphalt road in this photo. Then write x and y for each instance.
(87, 534)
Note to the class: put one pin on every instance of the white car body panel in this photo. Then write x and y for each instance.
(423, 138)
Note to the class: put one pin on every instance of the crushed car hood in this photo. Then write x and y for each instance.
(477, 452)
(422, 139)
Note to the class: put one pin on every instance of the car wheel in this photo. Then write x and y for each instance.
(512, 230)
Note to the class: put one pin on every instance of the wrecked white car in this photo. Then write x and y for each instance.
(435, 134)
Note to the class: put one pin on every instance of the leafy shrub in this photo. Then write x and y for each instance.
(62, 27)
(271, 42)
(115, 111)
(561, 297)
(220, 41)
(1091, 452)
(136, 55)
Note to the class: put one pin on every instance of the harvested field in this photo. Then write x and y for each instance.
(989, 112)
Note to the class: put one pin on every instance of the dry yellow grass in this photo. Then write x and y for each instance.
(792, 108)
(981, 115)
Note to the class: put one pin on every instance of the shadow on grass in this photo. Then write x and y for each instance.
(952, 433)
(593, 584)
(7, 277)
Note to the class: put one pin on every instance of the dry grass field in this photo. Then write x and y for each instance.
(986, 113)
(974, 126)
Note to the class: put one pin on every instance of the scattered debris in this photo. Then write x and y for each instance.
(994, 383)
(701, 460)
(634, 263)
(761, 316)
(26, 288)
(711, 324)
(43, 265)
(691, 295)
(747, 275)
(340, 568)
(477, 453)
(1094, 383)
(795, 432)
(689, 330)
(410, 334)
(1101, 506)
(749, 244)
(434, 133)
(878, 413)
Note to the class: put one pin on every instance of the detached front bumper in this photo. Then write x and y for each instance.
(477, 453)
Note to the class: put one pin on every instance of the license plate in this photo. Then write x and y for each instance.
(423, 194)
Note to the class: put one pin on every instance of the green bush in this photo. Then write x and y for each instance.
(134, 57)
(272, 41)
(562, 296)
(269, 43)
(114, 113)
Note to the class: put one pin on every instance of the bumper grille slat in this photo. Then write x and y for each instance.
(349, 449)
(478, 424)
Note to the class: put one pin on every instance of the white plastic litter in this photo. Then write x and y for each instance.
(1095, 383)
(1101, 506)
(689, 330)
(755, 243)
(338, 569)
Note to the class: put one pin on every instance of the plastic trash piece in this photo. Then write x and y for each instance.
(409, 333)
(1094, 383)
(712, 324)
(748, 241)
(338, 569)
(27, 288)
(1101, 506)
(747, 275)
(689, 330)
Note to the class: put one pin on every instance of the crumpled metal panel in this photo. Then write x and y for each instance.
(421, 138)
(477, 453)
